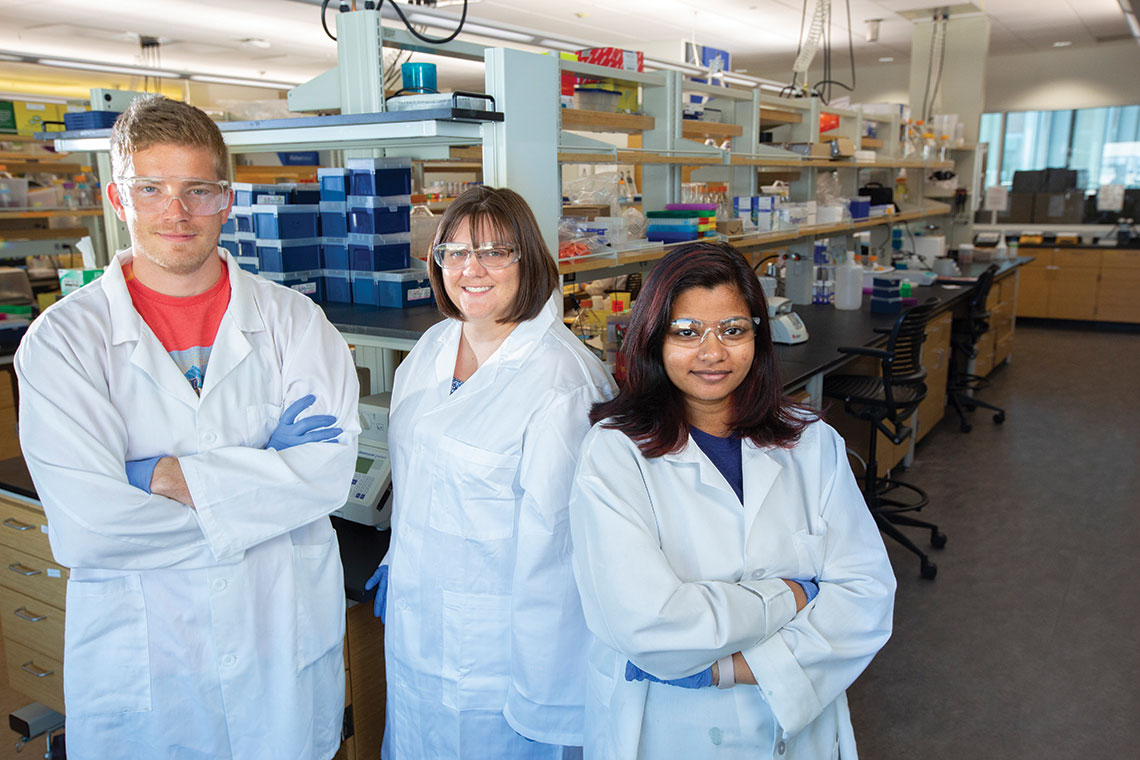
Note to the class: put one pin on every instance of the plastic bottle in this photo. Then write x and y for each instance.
(1002, 250)
(1013, 249)
(849, 284)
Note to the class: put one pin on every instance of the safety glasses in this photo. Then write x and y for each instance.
(690, 333)
(153, 195)
(490, 255)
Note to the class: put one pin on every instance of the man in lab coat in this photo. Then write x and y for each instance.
(158, 418)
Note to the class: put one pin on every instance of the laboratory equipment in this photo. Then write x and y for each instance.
(370, 498)
(798, 278)
(785, 324)
(849, 284)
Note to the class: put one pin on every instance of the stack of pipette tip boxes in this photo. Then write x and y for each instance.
(286, 231)
(681, 222)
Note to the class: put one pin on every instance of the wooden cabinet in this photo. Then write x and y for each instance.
(1081, 284)
(936, 361)
(32, 593)
(33, 590)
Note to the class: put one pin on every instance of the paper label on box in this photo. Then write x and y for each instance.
(997, 198)
(629, 60)
(271, 200)
(419, 294)
(308, 288)
(53, 573)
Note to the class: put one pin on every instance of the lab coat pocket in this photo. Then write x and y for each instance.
(473, 494)
(810, 551)
(319, 599)
(106, 667)
(476, 650)
(260, 422)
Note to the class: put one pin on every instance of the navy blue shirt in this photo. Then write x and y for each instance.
(725, 454)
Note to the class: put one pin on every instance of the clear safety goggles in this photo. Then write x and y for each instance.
(690, 333)
(490, 255)
(153, 195)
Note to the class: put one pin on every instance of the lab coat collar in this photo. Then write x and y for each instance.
(514, 351)
(760, 471)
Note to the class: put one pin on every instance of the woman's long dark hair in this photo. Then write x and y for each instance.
(649, 408)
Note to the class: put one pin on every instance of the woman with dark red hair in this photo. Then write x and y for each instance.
(729, 569)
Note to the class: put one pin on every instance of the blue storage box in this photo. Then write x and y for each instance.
(285, 222)
(364, 288)
(248, 263)
(247, 244)
(90, 120)
(311, 283)
(230, 243)
(306, 192)
(243, 218)
(375, 253)
(334, 183)
(334, 253)
(369, 215)
(403, 288)
(334, 218)
(248, 194)
(379, 176)
(338, 286)
(289, 255)
(229, 226)
(860, 207)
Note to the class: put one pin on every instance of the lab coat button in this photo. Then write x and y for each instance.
(229, 660)
(781, 747)
(402, 604)
(757, 575)
(210, 437)
(219, 584)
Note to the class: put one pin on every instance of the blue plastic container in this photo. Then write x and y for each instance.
(379, 176)
(338, 286)
(403, 288)
(860, 207)
(229, 226)
(248, 194)
(247, 245)
(379, 215)
(334, 218)
(230, 243)
(285, 222)
(243, 218)
(334, 253)
(248, 263)
(418, 77)
(289, 255)
(334, 183)
(91, 119)
(364, 290)
(306, 192)
(376, 253)
(311, 283)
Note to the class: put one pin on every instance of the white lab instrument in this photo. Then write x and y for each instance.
(929, 247)
(370, 498)
(785, 324)
(658, 588)
(249, 581)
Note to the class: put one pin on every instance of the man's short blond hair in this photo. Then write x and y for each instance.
(156, 120)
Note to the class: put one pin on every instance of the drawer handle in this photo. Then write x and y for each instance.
(31, 617)
(15, 524)
(16, 567)
(35, 671)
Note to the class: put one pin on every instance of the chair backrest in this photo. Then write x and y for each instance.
(904, 366)
(979, 317)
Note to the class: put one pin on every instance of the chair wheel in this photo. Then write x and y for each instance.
(937, 539)
(929, 570)
(999, 417)
(965, 427)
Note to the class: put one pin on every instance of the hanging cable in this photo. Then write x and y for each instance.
(425, 38)
(827, 80)
(941, 64)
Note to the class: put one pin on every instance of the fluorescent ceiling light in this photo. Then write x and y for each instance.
(684, 68)
(242, 82)
(499, 34)
(740, 80)
(1062, 43)
(886, 59)
(128, 70)
(562, 45)
(6, 57)
(1132, 24)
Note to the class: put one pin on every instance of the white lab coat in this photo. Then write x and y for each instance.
(484, 633)
(208, 633)
(675, 573)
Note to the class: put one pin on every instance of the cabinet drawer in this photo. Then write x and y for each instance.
(34, 577)
(1076, 257)
(1003, 347)
(35, 675)
(31, 622)
(25, 528)
(1042, 257)
(1120, 259)
(985, 359)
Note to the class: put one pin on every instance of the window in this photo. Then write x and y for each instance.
(1102, 144)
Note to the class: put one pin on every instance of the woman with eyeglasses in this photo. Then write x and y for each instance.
(485, 642)
(728, 567)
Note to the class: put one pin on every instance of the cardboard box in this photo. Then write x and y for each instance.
(730, 226)
(615, 58)
(33, 117)
(73, 279)
(1059, 208)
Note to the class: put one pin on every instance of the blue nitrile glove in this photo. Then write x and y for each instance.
(695, 681)
(379, 581)
(811, 588)
(291, 432)
(141, 471)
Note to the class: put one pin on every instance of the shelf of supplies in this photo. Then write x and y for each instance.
(47, 213)
(67, 233)
(452, 166)
(601, 121)
(692, 128)
(775, 116)
(867, 143)
(760, 161)
(42, 157)
(26, 167)
(828, 163)
(649, 157)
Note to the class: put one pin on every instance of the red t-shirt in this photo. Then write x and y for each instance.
(186, 327)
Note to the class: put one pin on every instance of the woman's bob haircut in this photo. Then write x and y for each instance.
(649, 408)
(499, 215)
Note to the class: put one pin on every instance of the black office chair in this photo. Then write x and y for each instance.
(887, 402)
(961, 386)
